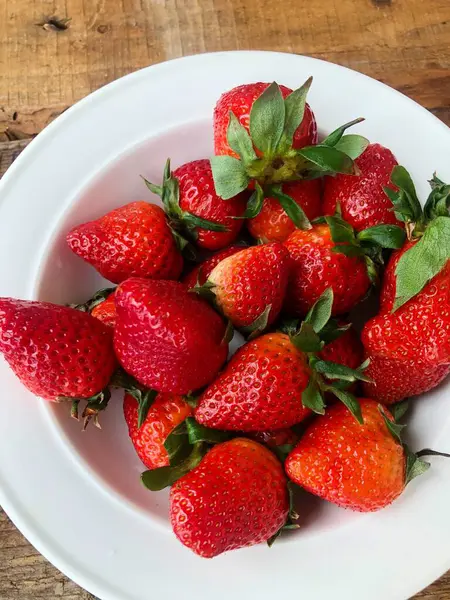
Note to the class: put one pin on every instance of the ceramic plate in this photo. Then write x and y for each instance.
(77, 496)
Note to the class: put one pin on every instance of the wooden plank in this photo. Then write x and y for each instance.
(405, 44)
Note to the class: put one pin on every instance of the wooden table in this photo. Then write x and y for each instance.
(47, 64)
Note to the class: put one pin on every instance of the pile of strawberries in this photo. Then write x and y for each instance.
(279, 237)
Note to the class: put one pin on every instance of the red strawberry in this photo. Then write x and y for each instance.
(56, 351)
(273, 224)
(199, 274)
(194, 208)
(317, 267)
(260, 388)
(362, 200)
(166, 412)
(106, 311)
(240, 100)
(169, 339)
(409, 349)
(408, 342)
(249, 282)
(236, 497)
(346, 350)
(361, 467)
(275, 438)
(133, 240)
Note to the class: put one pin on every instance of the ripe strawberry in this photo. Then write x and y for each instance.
(252, 283)
(408, 342)
(166, 412)
(260, 388)
(240, 100)
(273, 224)
(361, 467)
(56, 351)
(362, 199)
(133, 240)
(194, 208)
(316, 267)
(346, 350)
(199, 274)
(106, 311)
(409, 349)
(169, 339)
(236, 497)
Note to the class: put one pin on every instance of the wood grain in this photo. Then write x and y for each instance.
(45, 69)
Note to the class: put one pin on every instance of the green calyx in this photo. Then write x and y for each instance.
(315, 332)
(144, 397)
(186, 445)
(266, 153)
(180, 220)
(367, 244)
(94, 405)
(292, 521)
(428, 227)
(96, 299)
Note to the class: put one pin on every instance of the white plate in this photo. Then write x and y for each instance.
(77, 497)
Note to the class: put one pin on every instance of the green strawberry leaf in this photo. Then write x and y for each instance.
(423, 261)
(307, 340)
(407, 199)
(293, 516)
(205, 291)
(199, 433)
(349, 401)
(177, 444)
(333, 330)
(333, 370)
(229, 333)
(328, 159)
(341, 231)
(191, 221)
(181, 243)
(289, 325)
(258, 325)
(414, 465)
(293, 210)
(438, 202)
(230, 178)
(395, 429)
(350, 251)
(267, 119)
(312, 398)
(254, 204)
(386, 236)
(336, 135)
(399, 409)
(158, 479)
(320, 313)
(191, 399)
(295, 109)
(352, 145)
(283, 451)
(372, 271)
(239, 140)
(147, 398)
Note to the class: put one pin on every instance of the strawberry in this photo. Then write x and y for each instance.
(408, 341)
(362, 199)
(361, 467)
(235, 497)
(316, 266)
(263, 135)
(274, 381)
(346, 349)
(275, 438)
(133, 240)
(169, 339)
(273, 224)
(57, 352)
(260, 388)
(240, 101)
(194, 208)
(199, 274)
(106, 311)
(251, 285)
(166, 412)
